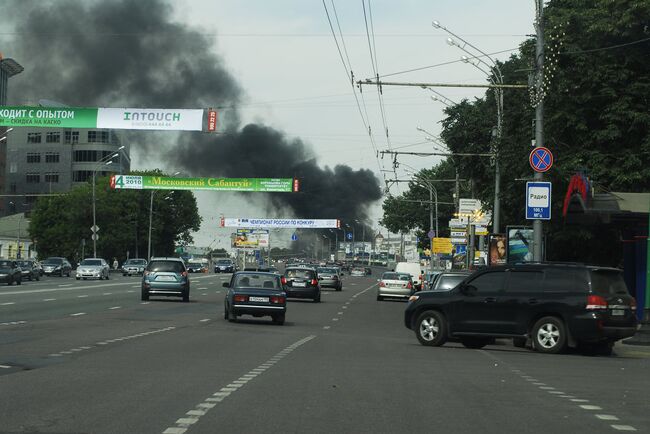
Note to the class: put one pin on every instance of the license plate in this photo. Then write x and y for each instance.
(259, 299)
(618, 312)
(300, 284)
(165, 278)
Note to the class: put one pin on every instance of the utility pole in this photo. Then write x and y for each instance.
(539, 118)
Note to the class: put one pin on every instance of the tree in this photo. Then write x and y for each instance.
(60, 225)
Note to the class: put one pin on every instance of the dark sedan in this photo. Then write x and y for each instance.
(10, 272)
(30, 269)
(255, 293)
(301, 282)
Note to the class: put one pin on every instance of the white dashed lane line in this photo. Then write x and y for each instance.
(10, 323)
(49, 299)
(193, 416)
(78, 314)
(115, 307)
(7, 304)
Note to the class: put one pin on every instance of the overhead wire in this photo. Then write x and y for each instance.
(349, 73)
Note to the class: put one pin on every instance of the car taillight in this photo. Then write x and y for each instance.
(382, 284)
(240, 298)
(146, 273)
(283, 280)
(409, 286)
(596, 302)
(277, 300)
(184, 274)
(314, 282)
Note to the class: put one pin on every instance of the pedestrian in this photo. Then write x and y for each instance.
(115, 264)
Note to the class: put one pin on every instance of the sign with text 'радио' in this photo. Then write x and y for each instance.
(131, 182)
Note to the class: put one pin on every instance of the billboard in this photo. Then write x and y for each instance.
(497, 250)
(280, 223)
(110, 118)
(275, 185)
(520, 244)
(251, 238)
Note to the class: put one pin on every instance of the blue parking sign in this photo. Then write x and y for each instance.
(538, 200)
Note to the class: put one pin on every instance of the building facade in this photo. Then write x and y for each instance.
(41, 161)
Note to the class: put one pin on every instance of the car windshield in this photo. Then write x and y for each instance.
(224, 262)
(53, 261)
(195, 264)
(328, 270)
(395, 276)
(24, 263)
(449, 281)
(299, 273)
(5, 264)
(608, 282)
(257, 281)
(91, 262)
(166, 266)
(135, 262)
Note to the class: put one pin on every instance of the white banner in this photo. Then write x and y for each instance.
(150, 119)
(281, 223)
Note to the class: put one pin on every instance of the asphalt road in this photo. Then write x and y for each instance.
(90, 357)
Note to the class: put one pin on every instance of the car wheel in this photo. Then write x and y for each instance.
(145, 295)
(549, 335)
(474, 343)
(339, 288)
(431, 328)
(19, 281)
(226, 315)
(380, 298)
(30, 277)
(278, 319)
(519, 342)
(79, 278)
(107, 276)
(186, 295)
(68, 275)
(38, 277)
(124, 274)
(317, 299)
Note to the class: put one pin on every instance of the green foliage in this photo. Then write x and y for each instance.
(61, 224)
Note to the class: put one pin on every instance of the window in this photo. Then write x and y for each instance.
(33, 157)
(82, 175)
(52, 177)
(13, 187)
(98, 136)
(53, 137)
(33, 178)
(13, 167)
(528, 281)
(559, 280)
(71, 137)
(89, 156)
(51, 157)
(488, 282)
(33, 137)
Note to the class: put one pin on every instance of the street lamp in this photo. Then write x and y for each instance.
(336, 243)
(106, 163)
(151, 218)
(494, 67)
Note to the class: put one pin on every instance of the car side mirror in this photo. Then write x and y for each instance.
(226, 284)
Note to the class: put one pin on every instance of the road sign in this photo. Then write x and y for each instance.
(541, 159)
(538, 200)
(95, 237)
(348, 235)
(431, 234)
(94, 228)
(460, 249)
(468, 206)
(294, 237)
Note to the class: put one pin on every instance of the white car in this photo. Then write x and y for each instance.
(93, 268)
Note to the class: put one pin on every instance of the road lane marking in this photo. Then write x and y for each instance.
(49, 299)
(130, 290)
(5, 366)
(326, 327)
(65, 285)
(12, 323)
(209, 403)
(590, 407)
(78, 314)
(202, 288)
(7, 304)
(115, 307)
(82, 296)
(68, 287)
(624, 427)
(108, 293)
(204, 320)
(579, 400)
(606, 417)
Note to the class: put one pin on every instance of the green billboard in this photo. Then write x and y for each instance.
(272, 185)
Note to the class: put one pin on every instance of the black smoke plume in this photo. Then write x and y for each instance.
(131, 53)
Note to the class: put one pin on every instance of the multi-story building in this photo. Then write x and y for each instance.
(49, 160)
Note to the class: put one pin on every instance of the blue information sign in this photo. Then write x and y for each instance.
(294, 237)
(538, 200)
(348, 235)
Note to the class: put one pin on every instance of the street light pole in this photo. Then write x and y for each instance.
(106, 163)
(150, 221)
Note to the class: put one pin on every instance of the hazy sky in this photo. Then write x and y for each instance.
(286, 59)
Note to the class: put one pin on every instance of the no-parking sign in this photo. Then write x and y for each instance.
(541, 159)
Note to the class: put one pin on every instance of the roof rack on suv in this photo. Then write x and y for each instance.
(549, 263)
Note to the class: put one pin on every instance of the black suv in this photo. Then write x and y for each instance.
(552, 305)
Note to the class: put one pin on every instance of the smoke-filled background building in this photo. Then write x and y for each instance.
(131, 53)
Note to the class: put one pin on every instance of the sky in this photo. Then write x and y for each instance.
(291, 77)
(286, 59)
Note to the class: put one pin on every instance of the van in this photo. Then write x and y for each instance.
(414, 269)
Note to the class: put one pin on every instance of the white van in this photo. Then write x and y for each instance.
(414, 269)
